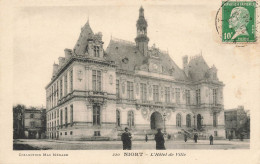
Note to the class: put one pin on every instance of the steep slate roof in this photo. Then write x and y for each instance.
(85, 34)
(167, 62)
(197, 68)
(118, 50)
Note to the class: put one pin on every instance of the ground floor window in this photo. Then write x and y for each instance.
(96, 133)
(188, 120)
(215, 133)
(96, 115)
(178, 120)
(117, 117)
(130, 118)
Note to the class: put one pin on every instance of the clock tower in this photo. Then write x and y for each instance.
(141, 38)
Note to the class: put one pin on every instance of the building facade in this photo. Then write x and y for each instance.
(29, 123)
(96, 93)
(237, 123)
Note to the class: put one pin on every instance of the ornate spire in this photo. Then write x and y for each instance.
(141, 23)
(141, 12)
(141, 38)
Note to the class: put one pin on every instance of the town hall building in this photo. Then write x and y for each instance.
(95, 93)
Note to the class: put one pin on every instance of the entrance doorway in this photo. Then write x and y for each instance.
(199, 121)
(156, 120)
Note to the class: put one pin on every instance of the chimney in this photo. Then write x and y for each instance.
(55, 69)
(68, 53)
(184, 61)
(185, 64)
(241, 107)
(61, 61)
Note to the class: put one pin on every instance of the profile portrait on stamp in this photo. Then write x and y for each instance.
(238, 20)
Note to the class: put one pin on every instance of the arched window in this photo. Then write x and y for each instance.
(178, 120)
(118, 121)
(188, 120)
(130, 118)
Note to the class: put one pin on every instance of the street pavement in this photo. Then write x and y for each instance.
(45, 144)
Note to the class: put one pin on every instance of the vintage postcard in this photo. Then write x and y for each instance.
(130, 82)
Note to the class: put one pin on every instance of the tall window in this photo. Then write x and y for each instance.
(71, 80)
(118, 122)
(178, 95)
(130, 90)
(57, 90)
(51, 96)
(155, 93)
(167, 94)
(178, 120)
(96, 51)
(71, 114)
(130, 118)
(66, 116)
(65, 84)
(96, 115)
(187, 92)
(61, 88)
(117, 89)
(215, 120)
(61, 117)
(32, 123)
(214, 96)
(96, 80)
(198, 96)
(143, 91)
(188, 120)
(54, 94)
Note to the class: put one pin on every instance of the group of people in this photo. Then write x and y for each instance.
(195, 138)
(127, 140)
(159, 139)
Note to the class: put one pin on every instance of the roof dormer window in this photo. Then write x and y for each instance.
(96, 51)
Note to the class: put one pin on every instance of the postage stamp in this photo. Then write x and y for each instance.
(238, 21)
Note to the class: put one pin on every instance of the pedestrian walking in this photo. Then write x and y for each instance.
(185, 137)
(146, 138)
(127, 140)
(195, 137)
(211, 140)
(241, 137)
(229, 137)
(159, 139)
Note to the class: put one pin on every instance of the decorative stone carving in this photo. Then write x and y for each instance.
(150, 90)
(111, 79)
(145, 113)
(123, 86)
(80, 75)
(137, 88)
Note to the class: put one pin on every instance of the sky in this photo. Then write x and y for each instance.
(40, 35)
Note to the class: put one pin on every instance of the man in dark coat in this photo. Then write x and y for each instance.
(146, 138)
(195, 137)
(211, 140)
(126, 138)
(185, 137)
(159, 139)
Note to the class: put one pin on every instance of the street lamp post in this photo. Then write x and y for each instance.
(164, 120)
(194, 121)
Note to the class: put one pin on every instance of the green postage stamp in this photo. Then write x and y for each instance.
(238, 21)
